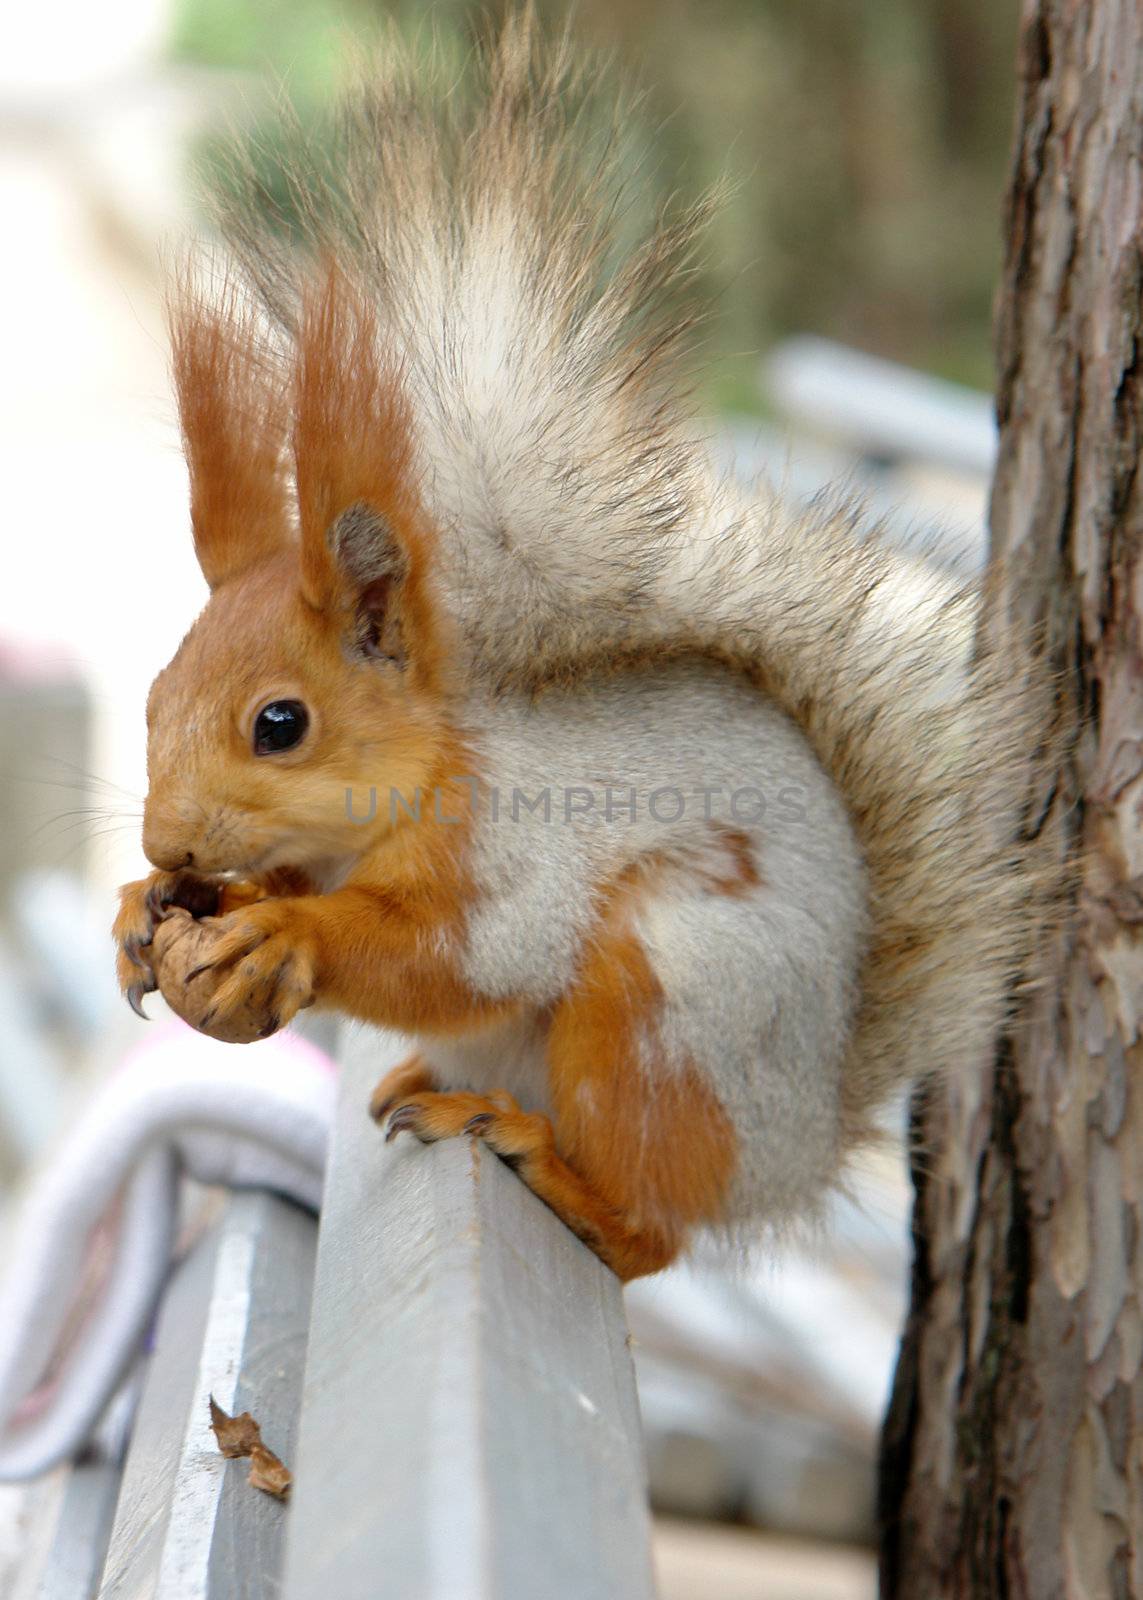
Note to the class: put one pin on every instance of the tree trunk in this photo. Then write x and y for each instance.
(1013, 1451)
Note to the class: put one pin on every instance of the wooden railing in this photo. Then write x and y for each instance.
(442, 1364)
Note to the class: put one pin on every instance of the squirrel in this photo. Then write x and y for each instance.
(677, 828)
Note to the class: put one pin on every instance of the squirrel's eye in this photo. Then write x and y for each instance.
(279, 726)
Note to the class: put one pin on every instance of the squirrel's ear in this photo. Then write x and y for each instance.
(373, 572)
(233, 410)
(364, 544)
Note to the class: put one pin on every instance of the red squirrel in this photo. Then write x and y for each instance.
(675, 826)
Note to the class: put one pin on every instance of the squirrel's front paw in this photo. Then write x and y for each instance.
(142, 907)
(241, 976)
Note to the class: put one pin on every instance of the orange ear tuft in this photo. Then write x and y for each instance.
(366, 545)
(352, 444)
(233, 411)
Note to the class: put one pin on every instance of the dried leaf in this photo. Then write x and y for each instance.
(237, 1436)
(268, 1473)
(241, 1436)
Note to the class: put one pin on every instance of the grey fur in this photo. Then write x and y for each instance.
(365, 548)
(759, 990)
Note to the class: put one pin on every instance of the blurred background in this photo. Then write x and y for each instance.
(851, 273)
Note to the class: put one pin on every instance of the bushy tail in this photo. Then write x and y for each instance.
(579, 519)
(925, 728)
(491, 221)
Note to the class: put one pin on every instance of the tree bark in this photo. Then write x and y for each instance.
(1013, 1452)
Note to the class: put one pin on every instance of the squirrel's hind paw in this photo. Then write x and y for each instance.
(495, 1119)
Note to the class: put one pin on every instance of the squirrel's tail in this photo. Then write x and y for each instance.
(579, 520)
(925, 718)
(489, 217)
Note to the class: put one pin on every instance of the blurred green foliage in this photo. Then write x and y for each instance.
(866, 141)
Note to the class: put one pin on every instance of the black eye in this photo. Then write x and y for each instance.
(280, 726)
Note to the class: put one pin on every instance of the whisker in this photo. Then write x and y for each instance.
(81, 776)
(57, 828)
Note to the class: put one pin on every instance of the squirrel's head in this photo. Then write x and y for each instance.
(319, 669)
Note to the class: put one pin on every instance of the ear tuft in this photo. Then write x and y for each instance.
(366, 545)
(357, 504)
(232, 401)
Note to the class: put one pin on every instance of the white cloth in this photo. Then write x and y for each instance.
(93, 1245)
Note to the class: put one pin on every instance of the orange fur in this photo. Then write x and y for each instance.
(391, 938)
(647, 1134)
(740, 873)
(233, 412)
(411, 1076)
(258, 640)
(353, 446)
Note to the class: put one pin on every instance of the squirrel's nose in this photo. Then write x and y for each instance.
(164, 848)
(169, 860)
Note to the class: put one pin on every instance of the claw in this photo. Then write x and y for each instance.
(196, 972)
(478, 1124)
(402, 1118)
(156, 904)
(135, 1000)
